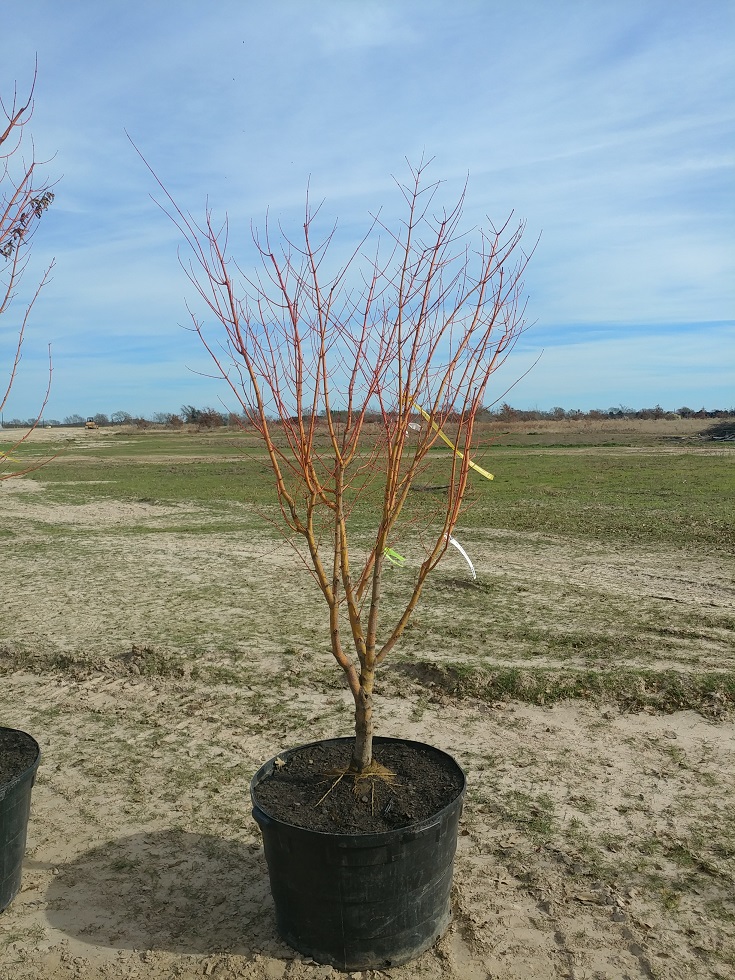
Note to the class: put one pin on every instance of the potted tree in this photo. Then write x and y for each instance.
(358, 375)
(23, 200)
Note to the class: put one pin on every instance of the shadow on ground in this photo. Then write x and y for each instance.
(724, 430)
(168, 891)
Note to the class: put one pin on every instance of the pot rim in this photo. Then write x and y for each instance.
(11, 784)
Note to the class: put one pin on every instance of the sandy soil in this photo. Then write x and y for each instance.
(583, 850)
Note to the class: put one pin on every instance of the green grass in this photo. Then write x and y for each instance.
(146, 480)
(677, 498)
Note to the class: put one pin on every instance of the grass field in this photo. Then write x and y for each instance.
(161, 640)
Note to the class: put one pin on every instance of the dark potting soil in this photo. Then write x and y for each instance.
(308, 792)
(18, 752)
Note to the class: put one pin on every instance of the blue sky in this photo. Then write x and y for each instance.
(607, 126)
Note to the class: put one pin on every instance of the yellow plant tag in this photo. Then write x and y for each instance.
(435, 427)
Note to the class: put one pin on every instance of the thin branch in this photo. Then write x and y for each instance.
(330, 368)
(23, 201)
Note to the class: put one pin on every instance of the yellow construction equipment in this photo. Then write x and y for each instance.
(90, 424)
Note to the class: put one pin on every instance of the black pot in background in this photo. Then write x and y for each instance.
(15, 806)
(361, 901)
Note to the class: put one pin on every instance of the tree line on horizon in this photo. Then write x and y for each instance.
(212, 418)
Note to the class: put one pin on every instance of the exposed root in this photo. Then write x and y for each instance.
(323, 798)
(373, 773)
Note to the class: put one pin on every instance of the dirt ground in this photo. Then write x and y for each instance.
(588, 844)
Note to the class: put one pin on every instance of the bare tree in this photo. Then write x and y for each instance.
(24, 197)
(351, 377)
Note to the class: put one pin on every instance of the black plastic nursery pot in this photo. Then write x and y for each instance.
(361, 901)
(20, 755)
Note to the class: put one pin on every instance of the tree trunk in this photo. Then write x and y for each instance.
(362, 753)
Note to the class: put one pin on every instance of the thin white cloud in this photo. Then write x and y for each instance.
(353, 25)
